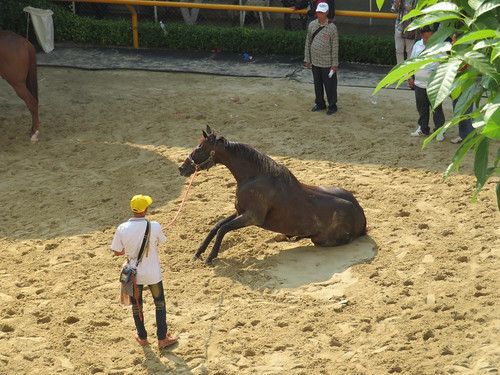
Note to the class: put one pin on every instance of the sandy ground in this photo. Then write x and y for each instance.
(416, 295)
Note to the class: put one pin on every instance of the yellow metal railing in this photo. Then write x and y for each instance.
(174, 4)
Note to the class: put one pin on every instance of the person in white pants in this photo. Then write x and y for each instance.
(402, 45)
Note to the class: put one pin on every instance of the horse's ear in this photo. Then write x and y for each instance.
(209, 130)
(204, 134)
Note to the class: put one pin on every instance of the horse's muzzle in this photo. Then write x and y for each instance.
(186, 169)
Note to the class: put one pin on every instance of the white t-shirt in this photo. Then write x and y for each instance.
(423, 75)
(129, 236)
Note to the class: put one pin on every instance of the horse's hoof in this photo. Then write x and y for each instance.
(208, 262)
(34, 137)
(285, 237)
(280, 237)
(195, 258)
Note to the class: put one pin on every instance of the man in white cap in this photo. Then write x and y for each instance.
(130, 237)
(313, 4)
(321, 54)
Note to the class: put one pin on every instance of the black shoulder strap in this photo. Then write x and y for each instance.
(144, 241)
(318, 30)
(316, 33)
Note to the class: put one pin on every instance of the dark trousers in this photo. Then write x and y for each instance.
(424, 111)
(161, 312)
(321, 84)
(465, 126)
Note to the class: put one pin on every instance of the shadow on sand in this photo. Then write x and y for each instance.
(299, 266)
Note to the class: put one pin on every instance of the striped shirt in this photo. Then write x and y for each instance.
(323, 50)
(402, 11)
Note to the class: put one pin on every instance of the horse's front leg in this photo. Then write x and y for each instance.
(211, 235)
(239, 222)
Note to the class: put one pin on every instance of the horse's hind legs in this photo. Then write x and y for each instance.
(210, 236)
(32, 105)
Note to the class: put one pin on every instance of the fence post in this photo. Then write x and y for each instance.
(135, 35)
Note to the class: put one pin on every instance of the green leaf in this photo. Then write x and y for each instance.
(495, 53)
(468, 97)
(481, 165)
(439, 87)
(486, 7)
(439, 48)
(443, 6)
(488, 83)
(406, 68)
(475, 4)
(481, 160)
(463, 81)
(489, 173)
(486, 44)
(476, 35)
(466, 145)
(431, 18)
(498, 194)
(380, 3)
(479, 61)
(492, 119)
(412, 14)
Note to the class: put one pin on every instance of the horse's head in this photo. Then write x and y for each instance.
(202, 156)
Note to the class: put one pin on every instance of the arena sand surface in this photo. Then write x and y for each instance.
(417, 295)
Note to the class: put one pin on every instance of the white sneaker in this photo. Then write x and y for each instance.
(417, 133)
(456, 140)
(440, 136)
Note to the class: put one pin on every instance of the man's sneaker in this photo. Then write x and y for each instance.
(167, 341)
(440, 136)
(456, 140)
(418, 132)
(317, 108)
(142, 342)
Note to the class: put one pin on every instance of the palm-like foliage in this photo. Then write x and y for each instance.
(479, 47)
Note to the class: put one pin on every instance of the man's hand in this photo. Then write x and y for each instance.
(411, 82)
(308, 65)
(118, 253)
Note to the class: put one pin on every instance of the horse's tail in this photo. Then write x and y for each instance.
(31, 79)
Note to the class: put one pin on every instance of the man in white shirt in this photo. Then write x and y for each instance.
(419, 83)
(127, 241)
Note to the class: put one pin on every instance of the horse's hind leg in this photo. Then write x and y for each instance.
(32, 105)
(211, 235)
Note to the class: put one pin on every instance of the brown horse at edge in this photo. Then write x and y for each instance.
(269, 196)
(18, 68)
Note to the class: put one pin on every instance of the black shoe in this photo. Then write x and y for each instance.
(331, 111)
(317, 108)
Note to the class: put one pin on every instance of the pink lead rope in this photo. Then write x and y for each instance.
(183, 200)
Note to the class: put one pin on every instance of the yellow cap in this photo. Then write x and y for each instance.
(140, 202)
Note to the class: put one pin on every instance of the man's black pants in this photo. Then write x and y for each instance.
(323, 83)
(424, 111)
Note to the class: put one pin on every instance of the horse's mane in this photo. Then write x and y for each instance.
(264, 163)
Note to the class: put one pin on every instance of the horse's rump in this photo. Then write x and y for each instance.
(18, 67)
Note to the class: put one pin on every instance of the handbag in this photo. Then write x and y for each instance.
(127, 273)
(407, 34)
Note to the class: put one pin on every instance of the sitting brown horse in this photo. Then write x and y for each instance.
(269, 196)
(18, 68)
